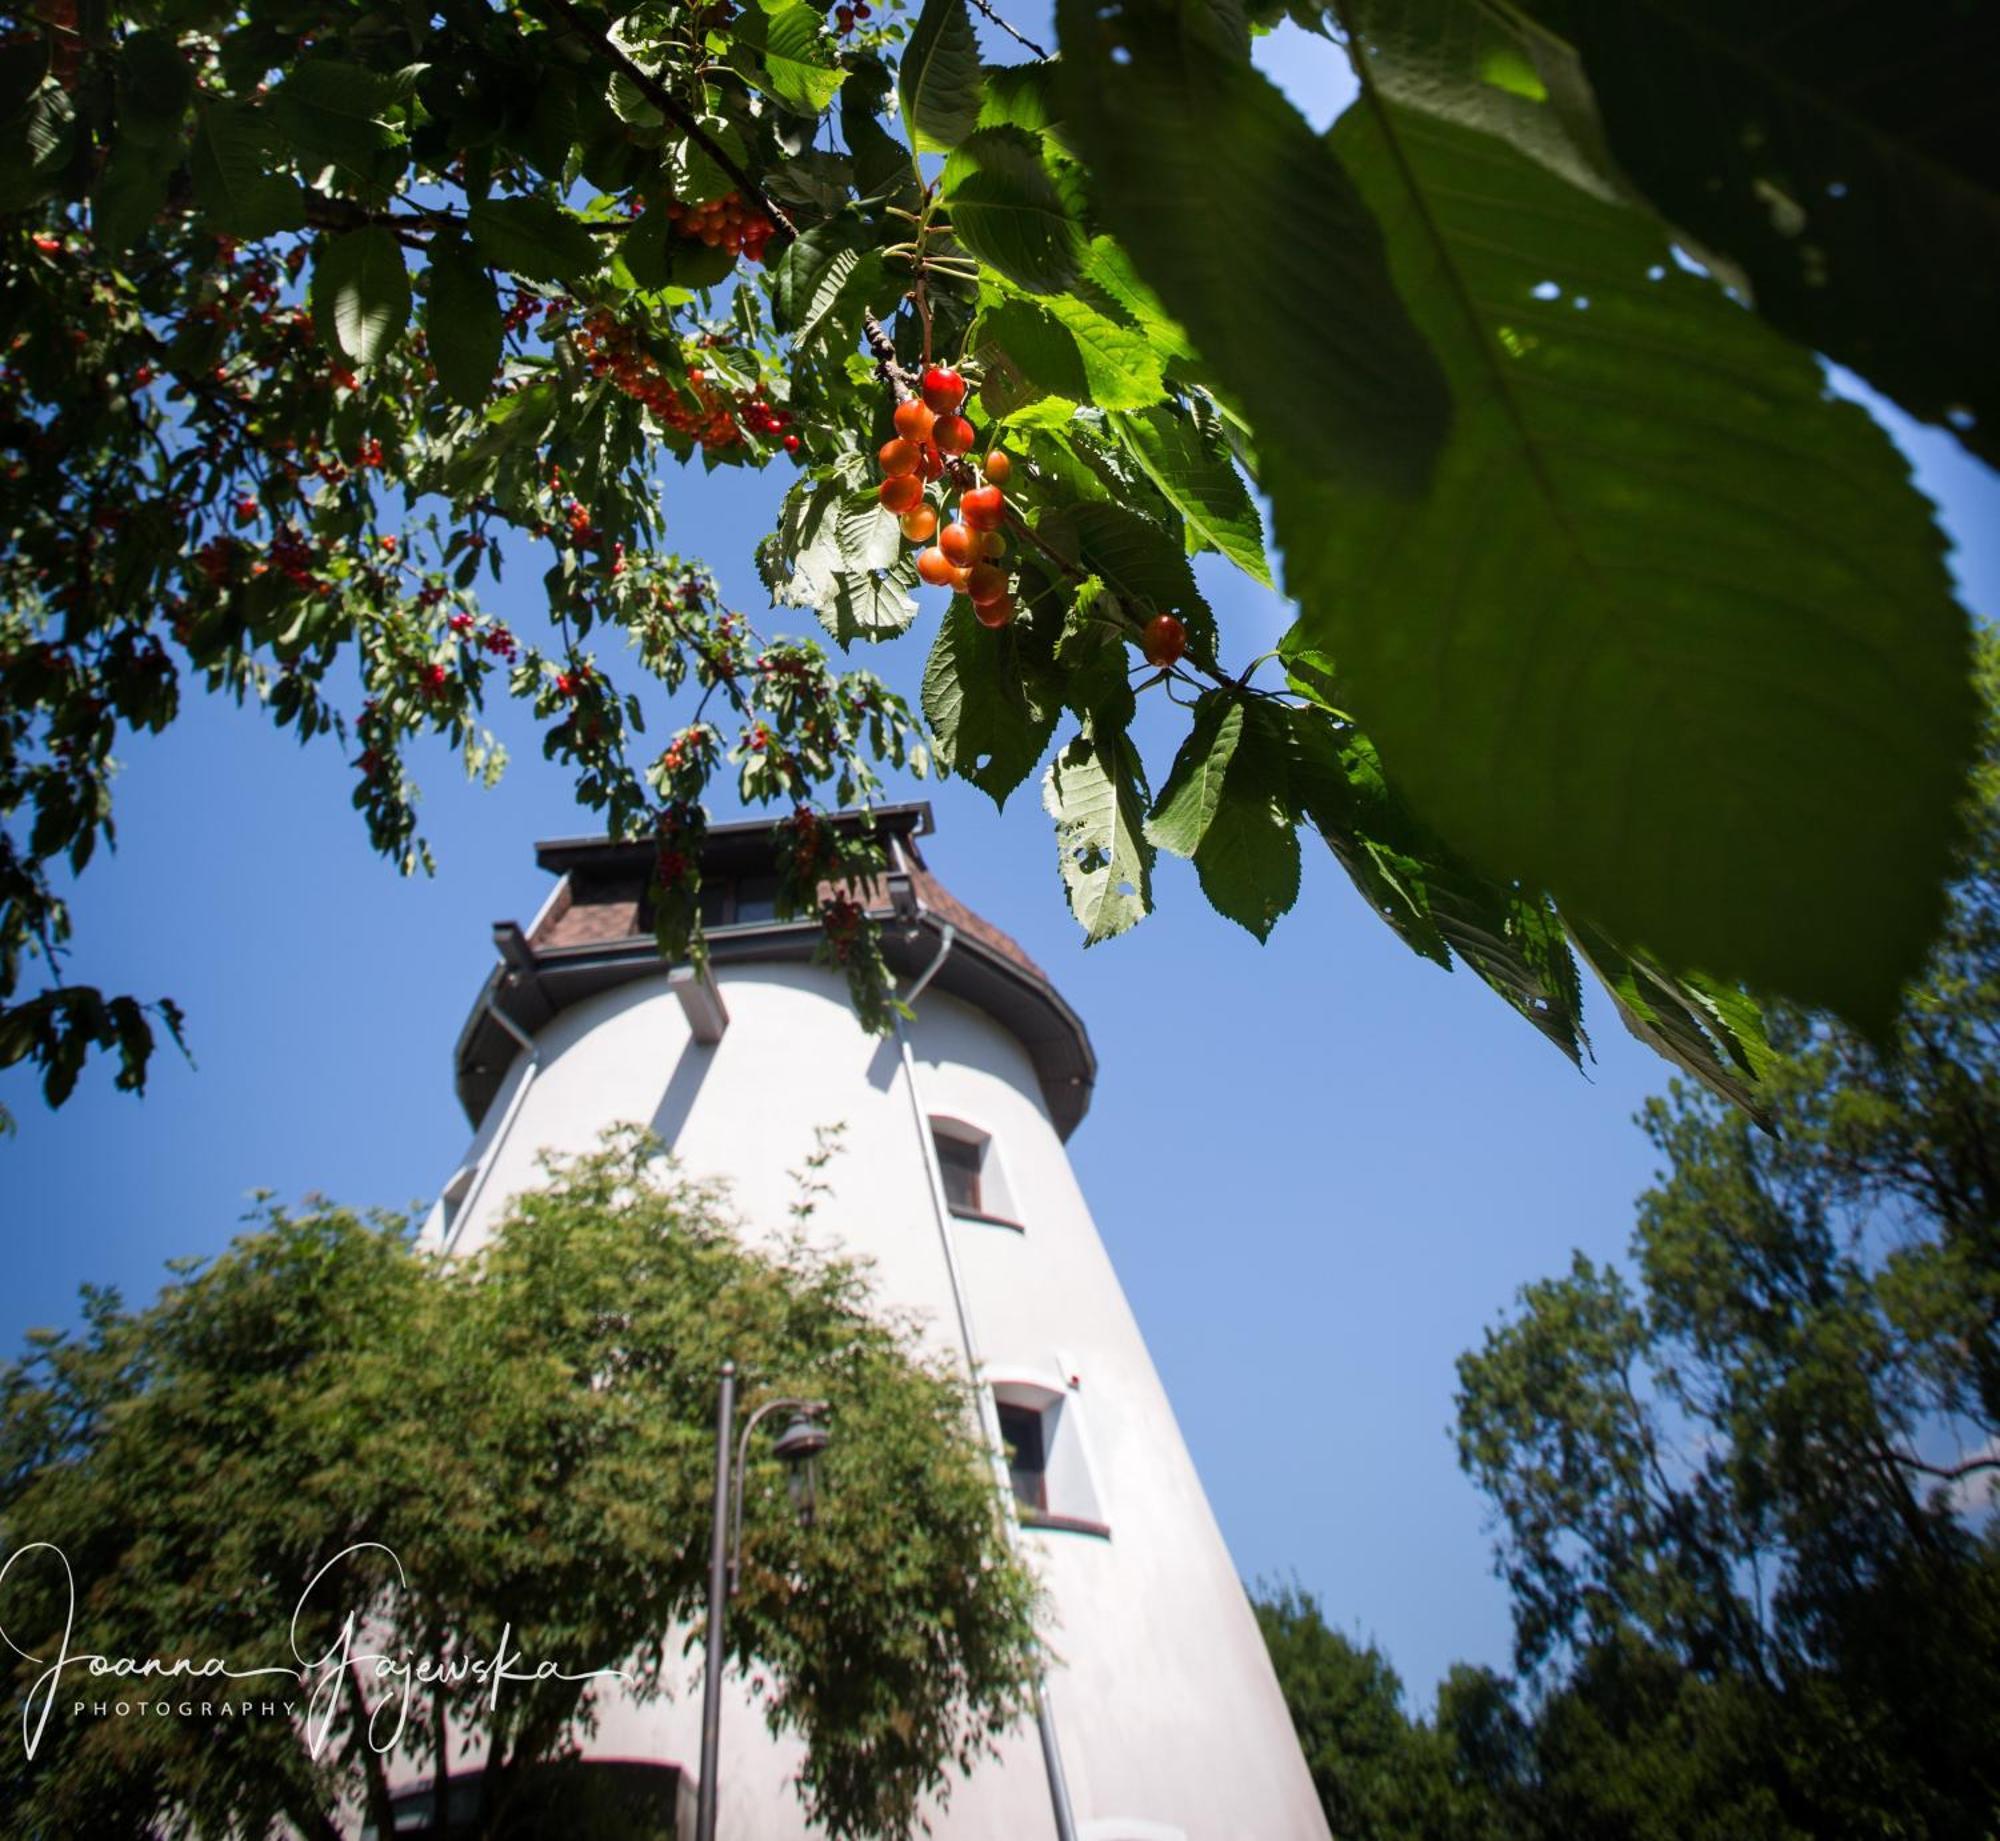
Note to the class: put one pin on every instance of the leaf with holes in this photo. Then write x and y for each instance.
(1095, 790)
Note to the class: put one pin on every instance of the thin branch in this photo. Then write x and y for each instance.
(1019, 37)
(675, 111)
(884, 349)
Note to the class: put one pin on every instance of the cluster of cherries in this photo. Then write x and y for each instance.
(724, 223)
(930, 434)
(845, 16)
(711, 420)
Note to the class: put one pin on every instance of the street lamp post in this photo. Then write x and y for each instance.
(799, 1446)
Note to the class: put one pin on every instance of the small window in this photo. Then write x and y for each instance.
(756, 900)
(1027, 1454)
(1046, 1464)
(959, 1160)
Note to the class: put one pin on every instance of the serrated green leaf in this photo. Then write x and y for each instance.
(938, 82)
(1093, 659)
(1019, 96)
(1672, 636)
(646, 249)
(462, 322)
(360, 292)
(1005, 208)
(1194, 472)
(1254, 236)
(1192, 796)
(1713, 1032)
(1247, 853)
(800, 73)
(1108, 269)
(1095, 790)
(332, 113)
(155, 86)
(1863, 208)
(1120, 367)
(129, 194)
(987, 705)
(533, 238)
(870, 603)
(232, 180)
(1145, 567)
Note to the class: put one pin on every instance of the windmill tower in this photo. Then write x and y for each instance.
(1162, 1719)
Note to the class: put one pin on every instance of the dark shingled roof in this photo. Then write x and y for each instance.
(592, 935)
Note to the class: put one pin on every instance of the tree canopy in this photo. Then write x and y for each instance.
(526, 1437)
(1620, 641)
(1745, 1495)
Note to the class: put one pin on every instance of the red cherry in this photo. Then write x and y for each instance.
(898, 456)
(983, 507)
(985, 582)
(914, 419)
(919, 523)
(953, 435)
(935, 568)
(960, 544)
(1163, 641)
(995, 612)
(943, 389)
(899, 492)
(791, 444)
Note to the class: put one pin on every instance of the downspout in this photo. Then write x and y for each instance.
(989, 1417)
(486, 1163)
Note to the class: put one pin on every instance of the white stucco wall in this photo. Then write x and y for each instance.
(1170, 1720)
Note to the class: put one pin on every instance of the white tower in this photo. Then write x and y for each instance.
(953, 1180)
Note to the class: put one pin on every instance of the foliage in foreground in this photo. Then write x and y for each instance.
(1619, 640)
(531, 1432)
(1746, 1497)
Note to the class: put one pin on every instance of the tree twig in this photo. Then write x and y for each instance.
(675, 111)
(1019, 37)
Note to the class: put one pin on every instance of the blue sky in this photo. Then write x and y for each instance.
(1322, 1166)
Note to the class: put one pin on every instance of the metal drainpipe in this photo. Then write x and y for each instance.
(989, 1415)
(506, 1124)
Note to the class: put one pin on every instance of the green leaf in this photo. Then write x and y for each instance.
(1005, 208)
(1019, 96)
(1095, 790)
(1142, 565)
(155, 86)
(647, 248)
(1121, 369)
(533, 238)
(232, 180)
(1255, 238)
(1671, 637)
(1192, 796)
(800, 73)
(938, 82)
(988, 705)
(870, 603)
(1863, 208)
(360, 292)
(332, 113)
(462, 323)
(1193, 470)
(129, 194)
(1248, 856)
(1107, 268)
(1710, 1031)
(1093, 658)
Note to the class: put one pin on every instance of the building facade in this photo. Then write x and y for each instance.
(953, 1180)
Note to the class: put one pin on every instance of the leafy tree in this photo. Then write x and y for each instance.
(530, 1432)
(1747, 1507)
(1618, 637)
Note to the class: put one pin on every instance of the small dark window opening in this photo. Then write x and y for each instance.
(756, 900)
(1027, 1454)
(959, 1162)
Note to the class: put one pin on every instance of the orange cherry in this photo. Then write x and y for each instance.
(898, 456)
(953, 435)
(914, 419)
(960, 544)
(919, 522)
(900, 492)
(985, 582)
(996, 467)
(994, 613)
(935, 568)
